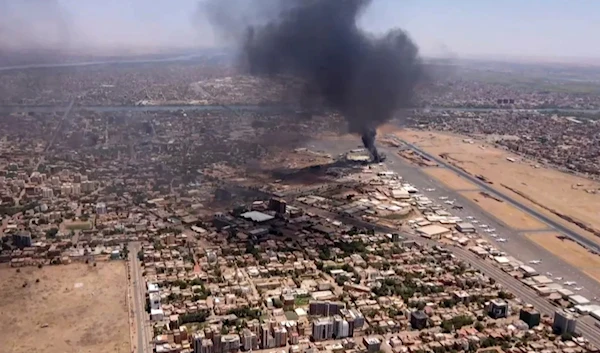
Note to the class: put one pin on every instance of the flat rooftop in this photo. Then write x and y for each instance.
(257, 216)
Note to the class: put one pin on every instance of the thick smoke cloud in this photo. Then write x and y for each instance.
(365, 78)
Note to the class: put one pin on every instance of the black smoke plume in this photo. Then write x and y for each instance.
(365, 77)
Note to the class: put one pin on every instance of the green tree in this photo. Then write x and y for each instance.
(277, 303)
(479, 326)
(51, 233)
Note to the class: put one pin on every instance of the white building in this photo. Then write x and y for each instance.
(75, 189)
(47, 193)
(100, 208)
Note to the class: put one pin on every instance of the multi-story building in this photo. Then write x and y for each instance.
(207, 347)
(294, 338)
(418, 320)
(373, 344)
(564, 322)
(498, 308)
(47, 193)
(230, 343)
(277, 205)
(197, 341)
(100, 208)
(217, 342)
(22, 239)
(322, 329)
(65, 189)
(325, 308)
(75, 189)
(88, 186)
(341, 328)
(249, 340)
(265, 334)
(280, 335)
(530, 316)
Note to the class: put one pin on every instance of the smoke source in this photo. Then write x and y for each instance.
(366, 78)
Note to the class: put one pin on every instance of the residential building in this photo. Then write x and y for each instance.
(418, 320)
(322, 329)
(564, 322)
(497, 308)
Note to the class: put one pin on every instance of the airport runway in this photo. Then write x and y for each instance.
(517, 246)
(551, 223)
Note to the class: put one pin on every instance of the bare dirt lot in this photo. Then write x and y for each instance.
(569, 251)
(561, 192)
(504, 212)
(73, 308)
(450, 179)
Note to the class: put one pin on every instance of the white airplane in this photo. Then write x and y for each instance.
(493, 235)
(469, 217)
(483, 225)
(492, 229)
(475, 221)
(449, 202)
(430, 189)
(502, 240)
(443, 197)
(570, 283)
(578, 288)
(549, 274)
(535, 262)
(558, 278)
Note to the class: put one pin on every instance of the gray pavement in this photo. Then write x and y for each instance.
(517, 245)
(139, 300)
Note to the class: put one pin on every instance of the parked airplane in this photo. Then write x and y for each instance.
(570, 283)
(578, 288)
(449, 202)
(483, 225)
(493, 235)
(430, 189)
(535, 262)
(474, 221)
(558, 278)
(502, 240)
(492, 229)
(469, 217)
(443, 197)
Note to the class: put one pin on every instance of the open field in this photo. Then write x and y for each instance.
(504, 212)
(450, 179)
(73, 308)
(569, 251)
(561, 192)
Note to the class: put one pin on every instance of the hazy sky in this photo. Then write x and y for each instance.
(533, 28)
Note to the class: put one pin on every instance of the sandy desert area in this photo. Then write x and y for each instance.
(570, 251)
(540, 187)
(72, 308)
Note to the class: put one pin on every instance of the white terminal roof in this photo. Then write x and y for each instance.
(578, 299)
(257, 216)
(433, 230)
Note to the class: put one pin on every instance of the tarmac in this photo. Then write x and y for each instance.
(517, 245)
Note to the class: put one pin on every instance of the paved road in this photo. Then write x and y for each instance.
(139, 299)
(518, 246)
(485, 186)
(526, 294)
